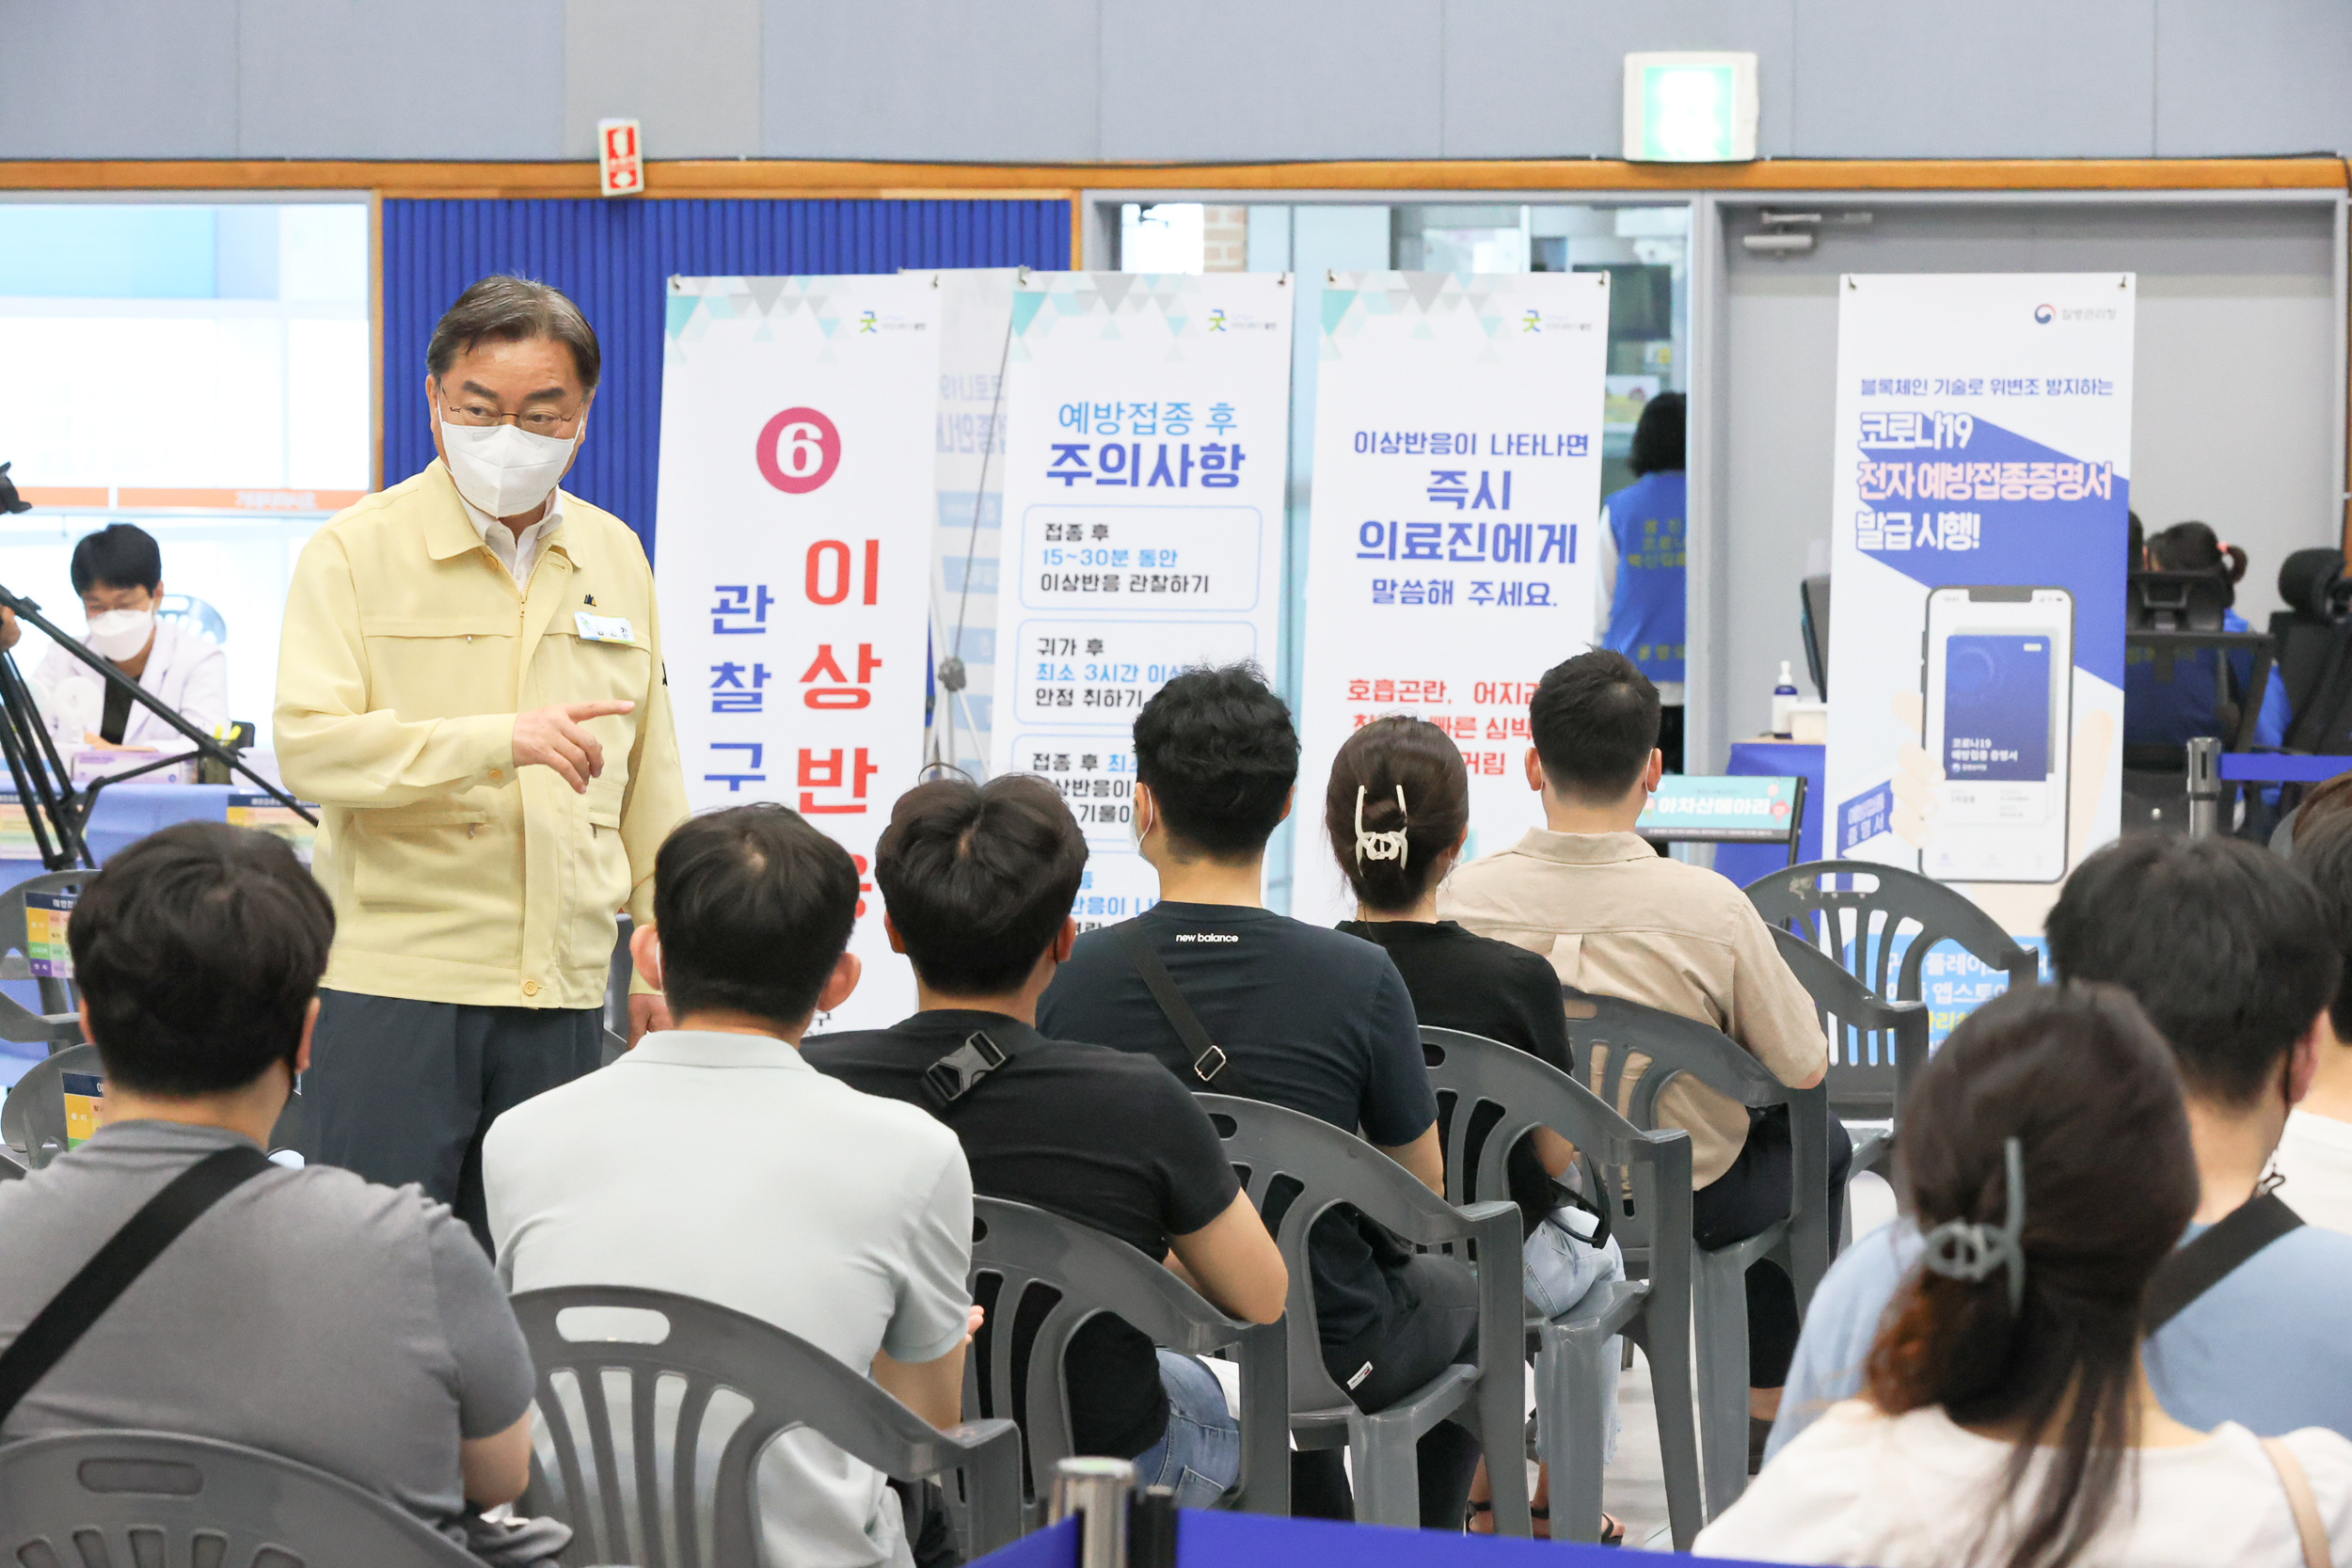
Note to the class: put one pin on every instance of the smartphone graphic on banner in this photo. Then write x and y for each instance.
(1999, 688)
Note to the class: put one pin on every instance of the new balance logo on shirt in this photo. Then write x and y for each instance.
(1206, 936)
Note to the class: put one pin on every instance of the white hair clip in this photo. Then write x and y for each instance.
(1379, 846)
(1961, 1249)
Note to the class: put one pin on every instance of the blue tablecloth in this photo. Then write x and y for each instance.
(124, 814)
(1744, 863)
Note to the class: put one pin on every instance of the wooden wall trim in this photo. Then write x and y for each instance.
(800, 178)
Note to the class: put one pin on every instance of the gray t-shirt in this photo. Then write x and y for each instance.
(353, 1327)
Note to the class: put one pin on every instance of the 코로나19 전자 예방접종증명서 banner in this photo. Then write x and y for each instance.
(1457, 481)
(1146, 464)
(1981, 494)
(797, 511)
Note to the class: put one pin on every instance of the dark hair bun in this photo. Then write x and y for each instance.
(1388, 760)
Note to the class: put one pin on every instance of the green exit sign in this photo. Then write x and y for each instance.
(1690, 108)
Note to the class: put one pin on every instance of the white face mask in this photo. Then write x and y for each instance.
(503, 470)
(120, 634)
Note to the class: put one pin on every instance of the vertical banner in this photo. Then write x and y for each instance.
(1458, 478)
(796, 520)
(1147, 457)
(1981, 494)
(974, 333)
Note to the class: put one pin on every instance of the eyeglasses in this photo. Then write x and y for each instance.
(537, 422)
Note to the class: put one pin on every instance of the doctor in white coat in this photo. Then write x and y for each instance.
(119, 573)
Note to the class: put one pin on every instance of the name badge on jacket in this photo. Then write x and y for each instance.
(603, 629)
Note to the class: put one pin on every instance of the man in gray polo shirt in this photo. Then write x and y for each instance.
(713, 1162)
(353, 1327)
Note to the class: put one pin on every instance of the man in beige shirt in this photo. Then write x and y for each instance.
(1618, 919)
(470, 685)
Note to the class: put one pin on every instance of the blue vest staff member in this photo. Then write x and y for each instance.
(1640, 611)
(470, 685)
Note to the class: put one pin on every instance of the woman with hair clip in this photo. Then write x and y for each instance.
(1397, 809)
(2172, 713)
(2007, 1421)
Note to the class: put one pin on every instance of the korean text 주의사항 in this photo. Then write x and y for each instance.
(1214, 465)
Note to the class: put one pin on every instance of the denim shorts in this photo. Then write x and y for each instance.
(1560, 1269)
(1200, 1454)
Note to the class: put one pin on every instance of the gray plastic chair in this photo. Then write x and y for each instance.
(1874, 1047)
(1900, 906)
(1675, 1046)
(1489, 1095)
(648, 1448)
(56, 1025)
(154, 1498)
(32, 1118)
(1296, 1170)
(1021, 1255)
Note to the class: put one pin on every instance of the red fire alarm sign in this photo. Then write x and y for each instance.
(621, 157)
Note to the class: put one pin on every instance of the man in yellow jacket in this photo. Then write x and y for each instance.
(470, 683)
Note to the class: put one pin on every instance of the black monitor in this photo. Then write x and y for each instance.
(1813, 619)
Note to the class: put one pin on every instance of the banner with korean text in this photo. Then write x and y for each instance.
(1147, 454)
(1981, 494)
(1458, 478)
(797, 510)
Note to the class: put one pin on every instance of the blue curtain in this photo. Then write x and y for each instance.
(615, 258)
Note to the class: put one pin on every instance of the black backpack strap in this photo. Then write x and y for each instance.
(2194, 1269)
(1206, 1062)
(126, 1255)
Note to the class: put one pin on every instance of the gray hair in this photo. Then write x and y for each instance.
(509, 309)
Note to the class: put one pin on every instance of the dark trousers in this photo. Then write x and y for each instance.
(403, 1091)
(1438, 1327)
(1746, 1199)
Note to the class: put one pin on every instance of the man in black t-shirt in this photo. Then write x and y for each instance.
(1314, 1019)
(978, 883)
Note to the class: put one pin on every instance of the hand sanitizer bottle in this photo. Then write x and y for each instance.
(1784, 699)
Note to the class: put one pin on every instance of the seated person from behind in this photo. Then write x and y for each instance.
(1397, 812)
(2167, 714)
(1311, 1020)
(118, 572)
(2315, 1151)
(1617, 919)
(2007, 1416)
(713, 1162)
(2228, 952)
(355, 1328)
(977, 881)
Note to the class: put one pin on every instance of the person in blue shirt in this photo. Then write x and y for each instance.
(2225, 947)
(2172, 713)
(1641, 613)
